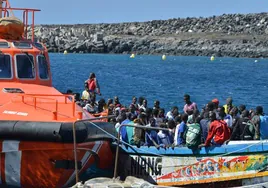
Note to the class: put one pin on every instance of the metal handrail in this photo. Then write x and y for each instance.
(46, 97)
(74, 140)
(26, 12)
(118, 141)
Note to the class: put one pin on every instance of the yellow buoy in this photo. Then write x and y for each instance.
(212, 58)
(132, 56)
(164, 57)
(65, 52)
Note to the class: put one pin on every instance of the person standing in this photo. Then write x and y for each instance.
(189, 106)
(93, 85)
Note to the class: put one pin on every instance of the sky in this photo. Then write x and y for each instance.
(115, 11)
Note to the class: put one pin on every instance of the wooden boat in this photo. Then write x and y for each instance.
(44, 140)
(236, 164)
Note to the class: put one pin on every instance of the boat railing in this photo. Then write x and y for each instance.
(35, 97)
(26, 12)
(74, 138)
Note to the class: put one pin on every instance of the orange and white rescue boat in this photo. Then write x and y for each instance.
(37, 122)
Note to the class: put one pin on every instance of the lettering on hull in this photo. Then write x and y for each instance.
(15, 113)
(145, 166)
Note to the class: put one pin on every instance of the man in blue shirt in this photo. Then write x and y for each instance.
(182, 129)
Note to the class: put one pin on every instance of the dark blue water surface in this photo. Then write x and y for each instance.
(243, 79)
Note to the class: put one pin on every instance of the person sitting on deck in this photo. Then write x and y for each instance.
(140, 101)
(178, 122)
(182, 128)
(214, 106)
(204, 123)
(172, 113)
(216, 103)
(144, 105)
(156, 105)
(235, 116)
(193, 132)
(91, 106)
(109, 102)
(241, 108)
(134, 103)
(119, 119)
(171, 125)
(244, 128)
(138, 136)
(226, 117)
(192, 115)
(228, 106)
(161, 114)
(150, 134)
(116, 102)
(256, 119)
(132, 110)
(149, 115)
(85, 94)
(158, 120)
(101, 105)
(126, 131)
(189, 105)
(164, 138)
(218, 132)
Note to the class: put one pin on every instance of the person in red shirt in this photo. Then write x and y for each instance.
(218, 131)
(93, 85)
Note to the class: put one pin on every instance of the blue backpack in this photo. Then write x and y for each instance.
(264, 127)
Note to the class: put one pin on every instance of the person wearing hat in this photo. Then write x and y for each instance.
(216, 103)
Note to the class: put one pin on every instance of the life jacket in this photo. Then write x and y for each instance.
(92, 85)
(264, 127)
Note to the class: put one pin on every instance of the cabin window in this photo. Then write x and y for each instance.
(4, 45)
(5, 66)
(23, 45)
(25, 66)
(42, 67)
(39, 46)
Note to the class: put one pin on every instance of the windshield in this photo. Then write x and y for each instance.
(42, 67)
(25, 66)
(5, 66)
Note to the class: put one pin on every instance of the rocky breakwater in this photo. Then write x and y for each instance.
(234, 35)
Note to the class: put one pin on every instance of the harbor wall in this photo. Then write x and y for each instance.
(233, 35)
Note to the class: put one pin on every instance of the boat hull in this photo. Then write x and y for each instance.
(176, 167)
(48, 164)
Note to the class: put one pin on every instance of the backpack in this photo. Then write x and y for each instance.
(252, 129)
(193, 135)
(264, 127)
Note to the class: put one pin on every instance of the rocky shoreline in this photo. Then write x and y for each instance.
(233, 35)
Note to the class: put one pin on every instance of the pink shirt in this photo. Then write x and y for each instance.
(189, 107)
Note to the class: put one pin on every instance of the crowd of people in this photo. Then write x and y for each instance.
(212, 125)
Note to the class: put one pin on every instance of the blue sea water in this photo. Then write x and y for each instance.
(245, 80)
